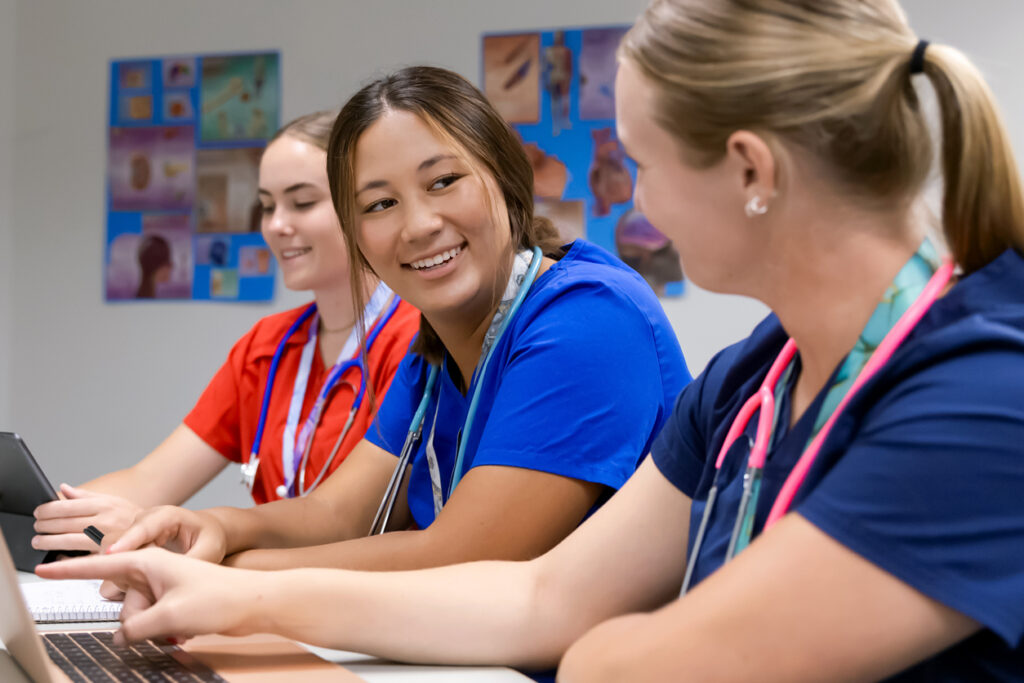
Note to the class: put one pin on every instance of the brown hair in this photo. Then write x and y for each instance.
(833, 76)
(313, 128)
(457, 111)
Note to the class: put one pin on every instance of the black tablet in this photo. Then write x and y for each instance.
(23, 487)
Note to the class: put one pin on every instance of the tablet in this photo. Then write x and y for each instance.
(23, 487)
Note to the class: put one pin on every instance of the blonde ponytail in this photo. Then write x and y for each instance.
(982, 207)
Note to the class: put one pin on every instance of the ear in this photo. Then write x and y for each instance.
(753, 156)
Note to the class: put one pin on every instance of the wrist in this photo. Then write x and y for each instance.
(225, 519)
(263, 599)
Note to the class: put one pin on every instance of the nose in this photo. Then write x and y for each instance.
(421, 220)
(277, 221)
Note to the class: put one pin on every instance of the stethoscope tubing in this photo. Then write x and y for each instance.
(250, 468)
(387, 503)
(460, 457)
(764, 401)
(357, 402)
(271, 375)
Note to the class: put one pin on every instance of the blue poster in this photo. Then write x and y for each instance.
(184, 142)
(556, 88)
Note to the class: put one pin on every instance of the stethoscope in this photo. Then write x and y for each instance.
(763, 402)
(387, 503)
(298, 486)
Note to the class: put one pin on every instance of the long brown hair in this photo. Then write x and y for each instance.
(460, 113)
(833, 76)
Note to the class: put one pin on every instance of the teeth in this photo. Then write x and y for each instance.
(289, 253)
(435, 260)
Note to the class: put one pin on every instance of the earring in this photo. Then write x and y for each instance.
(755, 207)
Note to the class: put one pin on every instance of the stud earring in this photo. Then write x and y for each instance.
(755, 207)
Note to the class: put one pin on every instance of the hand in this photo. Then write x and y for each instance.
(59, 523)
(196, 534)
(170, 596)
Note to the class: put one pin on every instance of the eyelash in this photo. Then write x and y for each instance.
(452, 177)
(373, 207)
(301, 206)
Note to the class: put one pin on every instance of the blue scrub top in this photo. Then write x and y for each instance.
(579, 385)
(923, 474)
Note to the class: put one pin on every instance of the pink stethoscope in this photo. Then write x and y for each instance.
(764, 401)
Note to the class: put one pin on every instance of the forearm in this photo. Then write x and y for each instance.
(131, 484)
(292, 523)
(394, 551)
(181, 465)
(480, 613)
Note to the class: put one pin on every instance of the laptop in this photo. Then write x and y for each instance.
(87, 656)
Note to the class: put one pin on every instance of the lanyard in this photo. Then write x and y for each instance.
(764, 403)
(520, 280)
(295, 447)
(377, 302)
(519, 283)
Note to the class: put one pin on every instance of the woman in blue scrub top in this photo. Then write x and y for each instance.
(435, 194)
(782, 146)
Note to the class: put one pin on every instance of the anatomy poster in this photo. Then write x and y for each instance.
(557, 90)
(184, 143)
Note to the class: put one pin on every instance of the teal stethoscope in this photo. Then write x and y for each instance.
(295, 472)
(387, 503)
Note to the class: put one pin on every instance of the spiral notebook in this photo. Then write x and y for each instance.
(70, 600)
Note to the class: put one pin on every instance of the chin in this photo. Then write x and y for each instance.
(296, 284)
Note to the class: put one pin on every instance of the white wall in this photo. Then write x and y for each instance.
(7, 71)
(94, 386)
(99, 385)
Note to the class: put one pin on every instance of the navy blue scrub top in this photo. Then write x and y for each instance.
(923, 474)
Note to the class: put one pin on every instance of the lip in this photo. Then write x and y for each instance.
(294, 252)
(440, 270)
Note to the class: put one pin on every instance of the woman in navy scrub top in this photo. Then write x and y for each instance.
(782, 146)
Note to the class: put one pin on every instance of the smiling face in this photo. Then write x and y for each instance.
(299, 223)
(431, 226)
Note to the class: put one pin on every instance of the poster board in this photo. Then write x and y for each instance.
(185, 135)
(556, 88)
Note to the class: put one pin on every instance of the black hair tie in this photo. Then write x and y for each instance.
(917, 59)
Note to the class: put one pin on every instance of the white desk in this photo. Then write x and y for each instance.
(368, 668)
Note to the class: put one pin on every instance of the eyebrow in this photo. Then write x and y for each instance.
(433, 160)
(291, 188)
(374, 184)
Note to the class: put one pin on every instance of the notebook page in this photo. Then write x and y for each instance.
(69, 600)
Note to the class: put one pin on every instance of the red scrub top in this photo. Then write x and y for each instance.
(227, 413)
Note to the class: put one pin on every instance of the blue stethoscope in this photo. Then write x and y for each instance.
(387, 503)
(298, 483)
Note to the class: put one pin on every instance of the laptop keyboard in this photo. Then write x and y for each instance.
(92, 656)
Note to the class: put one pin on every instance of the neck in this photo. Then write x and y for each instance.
(463, 335)
(335, 305)
(338, 316)
(825, 294)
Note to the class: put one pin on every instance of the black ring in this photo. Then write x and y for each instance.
(917, 59)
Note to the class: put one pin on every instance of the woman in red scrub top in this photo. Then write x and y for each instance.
(295, 450)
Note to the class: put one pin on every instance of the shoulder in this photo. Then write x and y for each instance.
(590, 284)
(263, 338)
(970, 343)
(404, 323)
